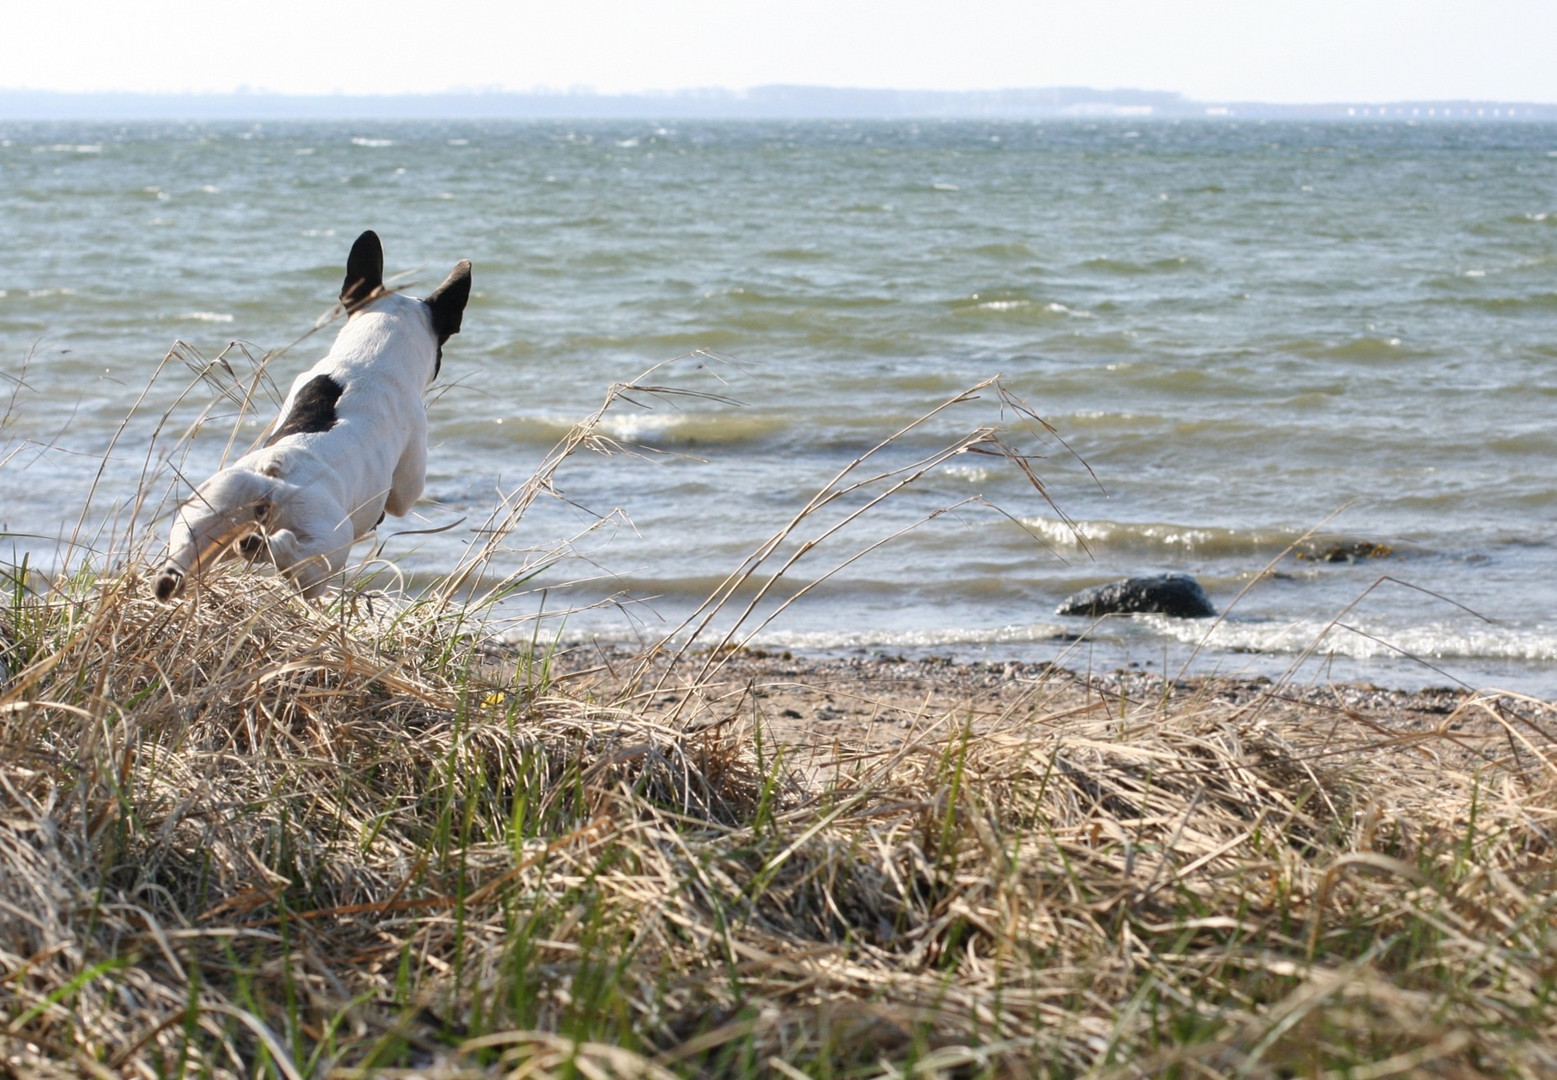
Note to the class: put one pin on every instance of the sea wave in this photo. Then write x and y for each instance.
(1428, 644)
(948, 637)
(1464, 639)
(658, 429)
(689, 429)
(1132, 268)
(1367, 347)
(1540, 301)
(1157, 537)
(1038, 311)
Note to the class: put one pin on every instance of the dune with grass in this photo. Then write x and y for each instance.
(245, 834)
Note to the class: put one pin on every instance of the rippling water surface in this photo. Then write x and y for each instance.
(1241, 334)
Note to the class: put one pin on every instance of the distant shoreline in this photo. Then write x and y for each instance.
(757, 103)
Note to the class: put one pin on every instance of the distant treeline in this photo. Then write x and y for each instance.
(763, 102)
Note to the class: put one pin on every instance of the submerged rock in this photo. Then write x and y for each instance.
(1349, 552)
(1176, 595)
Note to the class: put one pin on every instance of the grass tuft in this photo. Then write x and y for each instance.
(246, 835)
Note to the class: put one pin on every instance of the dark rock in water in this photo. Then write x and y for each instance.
(1177, 595)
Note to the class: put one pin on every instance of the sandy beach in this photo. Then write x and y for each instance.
(821, 707)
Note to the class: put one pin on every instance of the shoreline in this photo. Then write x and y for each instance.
(819, 705)
(1175, 649)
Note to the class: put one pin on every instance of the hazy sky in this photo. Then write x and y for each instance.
(1269, 50)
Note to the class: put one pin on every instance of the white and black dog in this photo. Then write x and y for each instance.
(349, 447)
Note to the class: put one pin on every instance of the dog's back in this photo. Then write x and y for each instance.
(353, 417)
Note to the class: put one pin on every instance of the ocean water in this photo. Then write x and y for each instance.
(1258, 348)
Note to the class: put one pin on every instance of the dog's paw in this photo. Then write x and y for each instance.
(168, 583)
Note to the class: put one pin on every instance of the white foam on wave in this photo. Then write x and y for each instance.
(643, 428)
(1459, 640)
(1061, 309)
(205, 316)
(971, 473)
(1018, 304)
(661, 428)
(1148, 535)
(1111, 416)
(946, 637)
(375, 143)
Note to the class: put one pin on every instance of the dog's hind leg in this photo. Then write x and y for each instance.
(311, 539)
(309, 565)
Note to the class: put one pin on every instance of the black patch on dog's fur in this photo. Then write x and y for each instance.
(314, 409)
(364, 270)
(447, 306)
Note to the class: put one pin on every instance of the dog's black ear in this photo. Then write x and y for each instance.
(364, 270)
(447, 302)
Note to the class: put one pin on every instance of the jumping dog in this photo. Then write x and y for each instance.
(349, 446)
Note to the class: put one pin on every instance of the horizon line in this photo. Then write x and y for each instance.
(768, 101)
(586, 91)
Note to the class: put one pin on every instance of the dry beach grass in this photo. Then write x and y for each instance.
(249, 835)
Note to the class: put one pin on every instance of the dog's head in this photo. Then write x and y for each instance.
(232, 505)
(365, 283)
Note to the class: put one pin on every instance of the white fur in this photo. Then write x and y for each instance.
(312, 495)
